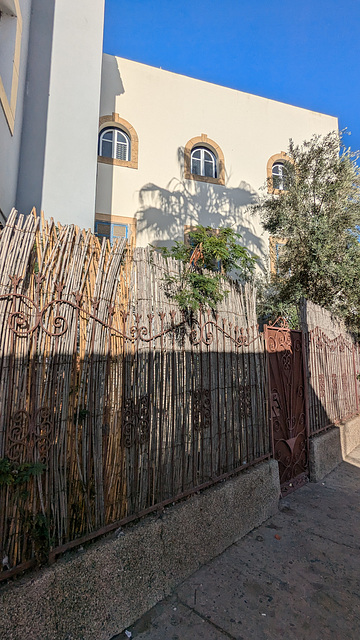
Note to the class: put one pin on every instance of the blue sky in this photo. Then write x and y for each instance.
(304, 53)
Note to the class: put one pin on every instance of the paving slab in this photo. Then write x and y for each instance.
(297, 575)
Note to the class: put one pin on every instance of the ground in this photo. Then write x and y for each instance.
(297, 575)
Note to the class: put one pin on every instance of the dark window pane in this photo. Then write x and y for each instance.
(103, 230)
(209, 169)
(106, 149)
(196, 167)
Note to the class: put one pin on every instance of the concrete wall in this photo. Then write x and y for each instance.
(71, 142)
(59, 146)
(95, 594)
(167, 110)
(10, 140)
(34, 131)
(328, 449)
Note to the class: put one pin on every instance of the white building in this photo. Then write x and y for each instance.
(175, 152)
(50, 65)
(171, 151)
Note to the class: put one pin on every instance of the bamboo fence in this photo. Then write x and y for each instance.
(332, 364)
(125, 403)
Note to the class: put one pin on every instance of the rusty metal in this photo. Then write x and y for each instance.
(196, 255)
(23, 325)
(288, 413)
(180, 408)
(202, 409)
(332, 384)
(135, 421)
(29, 437)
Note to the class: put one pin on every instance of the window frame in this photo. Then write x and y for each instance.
(115, 142)
(203, 151)
(112, 225)
(277, 158)
(281, 176)
(114, 121)
(205, 142)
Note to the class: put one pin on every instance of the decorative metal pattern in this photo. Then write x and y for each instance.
(29, 437)
(245, 399)
(201, 410)
(136, 421)
(333, 388)
(287, 405)
(50, 320)
(129, 403)
(321, 385)
(321, 340)
(334, 383)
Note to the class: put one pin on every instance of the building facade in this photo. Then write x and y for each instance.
(175, 152)
(50, 66)
(162, 151)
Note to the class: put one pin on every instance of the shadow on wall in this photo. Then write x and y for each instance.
(113, 80)
(164, 212)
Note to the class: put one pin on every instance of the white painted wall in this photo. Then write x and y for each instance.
(59, 142)
(167, 110)
(71, 140)
(10, 144)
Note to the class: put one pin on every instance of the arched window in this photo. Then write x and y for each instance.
(279, 176)
(204, 160)
(203, 163)
(277, 173)
(115, 144)
(118, 142)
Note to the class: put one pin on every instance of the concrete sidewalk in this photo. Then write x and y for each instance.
(296, 576)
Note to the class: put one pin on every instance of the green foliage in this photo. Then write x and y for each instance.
(18, 474)
(36, 525)
(319, 216)
(270, 306)
(37, 528)
(202, 284)
(6, 475)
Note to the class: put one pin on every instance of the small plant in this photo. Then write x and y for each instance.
(208, 259)
(36, 524)
(38, 530)
(18, 474)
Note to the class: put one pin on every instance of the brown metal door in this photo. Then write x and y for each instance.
(287, 405)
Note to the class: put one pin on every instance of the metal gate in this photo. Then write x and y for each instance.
(288, 415)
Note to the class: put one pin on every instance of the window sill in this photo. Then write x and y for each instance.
(276, 192)
(193, 176)
(131, 164)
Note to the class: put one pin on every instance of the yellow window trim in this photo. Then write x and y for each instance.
(112, 121)
(277, 157)
(206, 142)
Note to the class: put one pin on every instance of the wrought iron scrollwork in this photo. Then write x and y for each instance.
(51, 318)
(135, 421)
(201, 409)
(321, 340)
(245, 399)
(321, 385)
(30, 436)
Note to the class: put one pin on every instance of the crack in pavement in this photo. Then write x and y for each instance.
(225, 633)
(341, 544)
